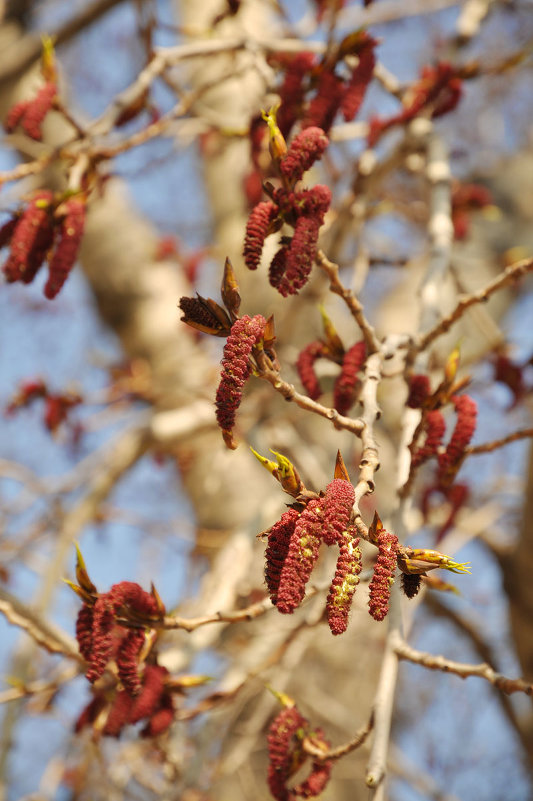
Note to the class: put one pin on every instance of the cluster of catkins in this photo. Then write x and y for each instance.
(56, 405)
(438, 90)
(293, 548)
(112, 627)
(433, 429)
(304, 211)
(287, 755)
(311, 93)
(347, 383)
(44, 231)
(30, 114)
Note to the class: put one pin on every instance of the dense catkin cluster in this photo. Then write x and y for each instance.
(153, 704)
(304, 211)
(380, 585)
(449, 461)
(42, 232)
(245, 334)
(347, 384)
(286, 756)
(301, 557)
(338, 505)
(30, 114)
(101, 638)
(439, 89)
(344, 583)
(305, 366)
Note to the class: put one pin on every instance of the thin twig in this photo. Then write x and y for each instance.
(462, 669)
(488, 447)
(355, 307)
(290, 394)
(237, 616)
(44, 633)
(341, 750)
(39, 686)
(510, 274)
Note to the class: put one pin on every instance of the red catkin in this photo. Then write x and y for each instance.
(236, 368)
(127, 656)
(7, 230)
(283, 745)
(256, 231)
(361, 77)
(344, 583)
(347, 384)
(279, 538)
(37, 109)
(292, 90)
(84, 631)
(305, 366)
(318, 778)
(466, 410)
(131, 595)
(119, 714)
(277, 268)
(304, 150)
(379, 592)
(338, 505)
(90, 713)
(153, 688)
(301, 557)
(65, 253)
(300, 256)
(161, 719)
(102, 642)
(27, 237)
(15, 114)
(325, 104)
(435, 427)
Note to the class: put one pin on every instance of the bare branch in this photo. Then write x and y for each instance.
(290, 394)
(355, 307)
(488, 447)
(336, 753)
(508, 276)
(44, 633)
(26, 51)
(482, 670)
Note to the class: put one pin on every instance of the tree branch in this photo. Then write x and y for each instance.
(45, 634)
(482, 670)
(510, 274)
